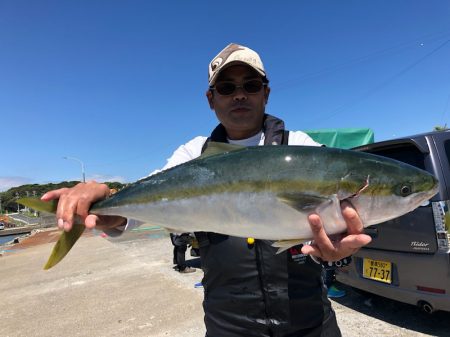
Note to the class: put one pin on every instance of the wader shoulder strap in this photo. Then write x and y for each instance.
(285, 140)
(202, 238)
(205, 145)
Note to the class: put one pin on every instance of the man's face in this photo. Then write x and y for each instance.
(241, 113)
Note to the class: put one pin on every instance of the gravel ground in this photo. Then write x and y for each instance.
(128, 288)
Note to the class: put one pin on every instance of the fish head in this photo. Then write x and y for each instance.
(392, 189)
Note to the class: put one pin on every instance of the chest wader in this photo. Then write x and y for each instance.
(251, 291)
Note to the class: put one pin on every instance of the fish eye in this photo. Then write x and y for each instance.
(405, 190)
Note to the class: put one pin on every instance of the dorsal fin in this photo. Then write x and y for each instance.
(214, 148)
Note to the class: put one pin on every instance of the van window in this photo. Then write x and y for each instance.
(447, 150)
(407, 153)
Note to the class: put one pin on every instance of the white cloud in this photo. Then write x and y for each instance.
(7, 182)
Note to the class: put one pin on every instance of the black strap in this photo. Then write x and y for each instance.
(202, 238)
(273, 130)
(274, 133)
(285, 140)
(205, 145)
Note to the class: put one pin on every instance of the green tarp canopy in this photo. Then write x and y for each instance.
(342, 138)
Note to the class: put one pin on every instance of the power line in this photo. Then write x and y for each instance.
(383, 84)
(297, 81)
(445, 109)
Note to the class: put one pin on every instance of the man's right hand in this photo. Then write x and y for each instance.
(77, 200)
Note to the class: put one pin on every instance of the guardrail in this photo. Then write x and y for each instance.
(19, 230)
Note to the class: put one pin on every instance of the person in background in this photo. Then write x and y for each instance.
(329, 277)
(249, 289)
(180, 243)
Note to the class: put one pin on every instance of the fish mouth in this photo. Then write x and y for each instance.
(423, 198)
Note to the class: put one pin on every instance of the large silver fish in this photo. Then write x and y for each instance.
(267, 192)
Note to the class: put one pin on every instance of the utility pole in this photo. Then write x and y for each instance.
(26, 208)
(18, 206)
(34, 196)
(82, 167)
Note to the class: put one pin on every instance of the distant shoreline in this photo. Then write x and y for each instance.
(9, 239)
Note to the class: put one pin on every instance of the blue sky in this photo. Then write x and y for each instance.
(121, 84)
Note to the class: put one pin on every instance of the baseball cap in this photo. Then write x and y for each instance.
(234, 54)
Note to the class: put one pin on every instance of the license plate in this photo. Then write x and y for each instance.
(377, 270)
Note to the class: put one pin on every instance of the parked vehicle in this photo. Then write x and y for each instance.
(408, 259)
(2, 225)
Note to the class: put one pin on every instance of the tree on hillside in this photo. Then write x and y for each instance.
(10, 196)
(440, 128)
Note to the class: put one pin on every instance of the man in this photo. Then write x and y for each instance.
(249, 290)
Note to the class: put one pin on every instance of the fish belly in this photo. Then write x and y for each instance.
(258, 215)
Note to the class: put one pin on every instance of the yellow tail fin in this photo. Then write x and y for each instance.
(66, 240)
(39, 205)
(64, 244)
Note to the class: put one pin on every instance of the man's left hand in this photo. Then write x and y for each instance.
(329, 249)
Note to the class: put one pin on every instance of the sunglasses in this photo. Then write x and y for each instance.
(228, 88)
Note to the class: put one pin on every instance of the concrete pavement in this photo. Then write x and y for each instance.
(129, 288)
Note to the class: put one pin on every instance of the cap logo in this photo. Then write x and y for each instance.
(216, 63)
(224, 55)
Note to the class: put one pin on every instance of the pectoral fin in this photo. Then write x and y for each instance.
(64, 244)
(286, 244)
(304, 202)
